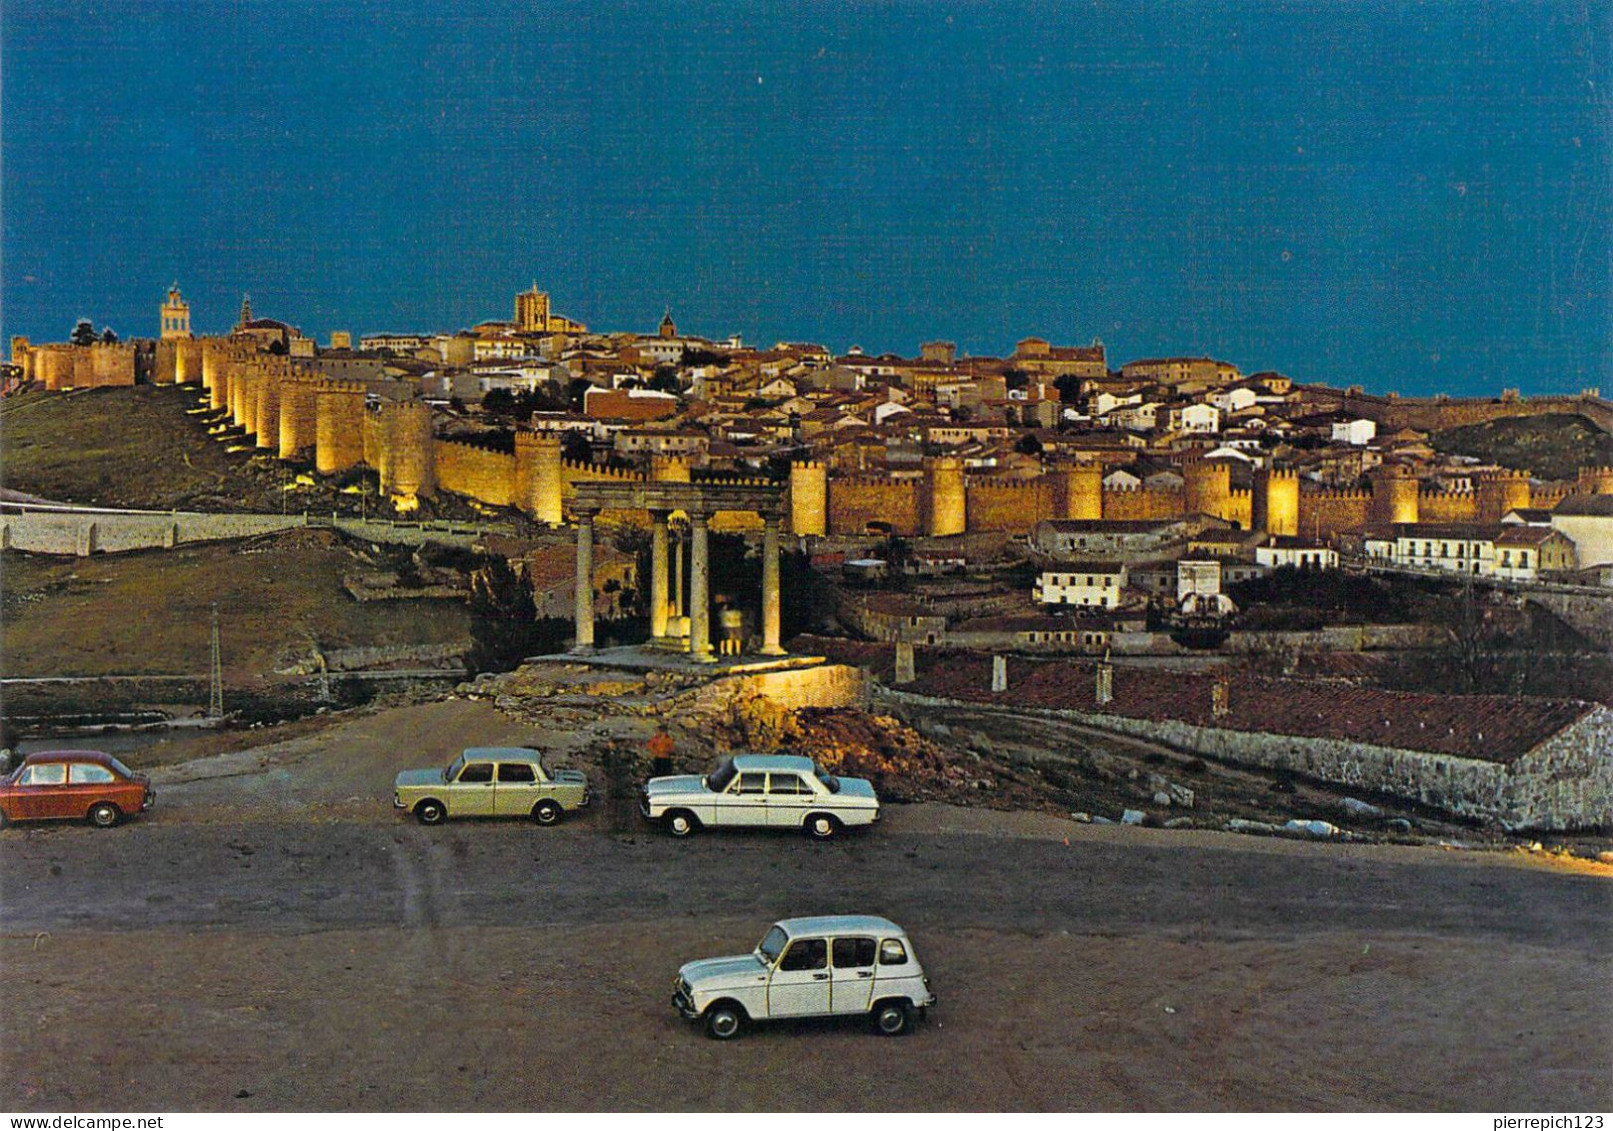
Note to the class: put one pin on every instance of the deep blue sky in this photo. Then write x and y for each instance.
(1405, 196)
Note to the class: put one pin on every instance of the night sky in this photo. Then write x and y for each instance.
(1411, 197)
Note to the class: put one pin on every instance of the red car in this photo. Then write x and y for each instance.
(73, 785)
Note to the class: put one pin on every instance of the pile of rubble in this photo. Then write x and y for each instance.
(902, 764)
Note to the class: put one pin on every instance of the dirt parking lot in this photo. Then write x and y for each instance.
(272, 937)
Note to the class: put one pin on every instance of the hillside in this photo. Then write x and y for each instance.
(149, 613)
(1554, 446)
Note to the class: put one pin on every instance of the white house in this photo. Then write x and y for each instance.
(1105, 403)
(1204, 418)
(1283, 550)
(1093, 584)
(1357, 432)
(1233, 400)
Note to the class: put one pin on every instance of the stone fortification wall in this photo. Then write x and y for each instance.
(1323, 514)
(1565, 783)
(341, 426)
(484, 475)
(1008, 505)
(1433, 414)
(408, 462)
(1076, 492)
(1142, 504)
(943, 498)
(1445, 506)
(857, 500)
(274, 375)
(809, 499)
(299, 424)
(98, 366)
(539, 489)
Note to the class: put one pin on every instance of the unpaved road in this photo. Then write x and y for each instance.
(270, 937)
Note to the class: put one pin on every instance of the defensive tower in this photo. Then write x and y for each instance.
(1274, 509)
(1394, 494)
(809, 498)
(944, 509)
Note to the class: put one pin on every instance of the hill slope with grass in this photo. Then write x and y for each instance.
(1553, 446)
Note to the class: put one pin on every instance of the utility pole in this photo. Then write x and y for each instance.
(215, 696)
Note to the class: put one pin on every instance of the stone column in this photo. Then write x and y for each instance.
(677, 577)
(658, 575)
(699, 592)
(585, 584)
(770, 587)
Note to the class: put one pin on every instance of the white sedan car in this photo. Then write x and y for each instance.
(760, 791)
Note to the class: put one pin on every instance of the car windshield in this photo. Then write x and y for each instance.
(453, 769)
(718, 779)
(120, 767)
(830, 782)
(773, 945)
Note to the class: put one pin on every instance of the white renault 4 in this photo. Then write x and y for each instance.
(827, 966)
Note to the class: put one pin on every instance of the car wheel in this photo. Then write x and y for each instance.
(430, 813)
(892, 1018)
(681, 822)
(546, 813)
(724, 1022)
(822, 826)
(105, 815)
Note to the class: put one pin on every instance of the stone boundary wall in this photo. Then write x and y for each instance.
(1343, 638)
(1564, 783)
(84, 534)
(353, 659)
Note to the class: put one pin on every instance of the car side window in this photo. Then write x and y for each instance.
(892, 953)
(516, 772)
(44, 773)
(751, 783)
(88, 773)
(786, 783)
(477, 772)
(806, 954)
(853, 954)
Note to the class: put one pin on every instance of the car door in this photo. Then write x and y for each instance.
(516, 790)
(787, 800)
(473, 794)
(851, 971)
(799, 985)
(87, 783)
(745, 801)
(40, 791)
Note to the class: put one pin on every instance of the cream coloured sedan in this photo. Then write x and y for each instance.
(491, 781)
